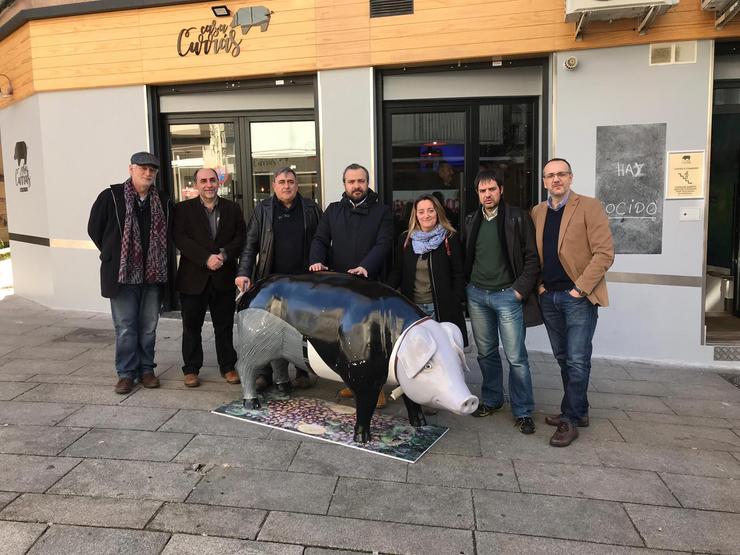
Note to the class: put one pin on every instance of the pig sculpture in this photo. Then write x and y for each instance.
(346, 328)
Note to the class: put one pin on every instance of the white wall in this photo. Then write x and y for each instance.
(617, 86)
(88, 138)
(346, 125)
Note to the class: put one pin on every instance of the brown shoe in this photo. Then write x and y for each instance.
(564, 435)
(262, 382)
(192, 380)
(346, 393)
(232, 377)
(124, 386)
(149, 380)
(381, 401)
(554, 420)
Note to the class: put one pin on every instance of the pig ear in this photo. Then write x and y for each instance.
(457, 342)
(417, 349)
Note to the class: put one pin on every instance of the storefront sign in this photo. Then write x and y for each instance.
(22, 176)
(215, 37)
(685, 175)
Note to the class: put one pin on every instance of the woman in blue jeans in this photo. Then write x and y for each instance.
(428, 267)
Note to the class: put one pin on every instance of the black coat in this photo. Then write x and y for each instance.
(260, 238)
(193, 239)
(447, 276)
(350, 236)
(516, 230)
(105, 228)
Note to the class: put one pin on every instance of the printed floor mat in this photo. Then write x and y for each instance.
(392, 436)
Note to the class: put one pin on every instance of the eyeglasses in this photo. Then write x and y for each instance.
(561, 175)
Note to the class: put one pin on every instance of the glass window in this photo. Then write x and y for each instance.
(278, 144)
(199, 145)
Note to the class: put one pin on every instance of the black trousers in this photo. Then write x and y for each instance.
(221, 306)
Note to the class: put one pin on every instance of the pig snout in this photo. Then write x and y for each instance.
(468, 406)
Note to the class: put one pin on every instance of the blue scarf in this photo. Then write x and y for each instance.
(426, 241)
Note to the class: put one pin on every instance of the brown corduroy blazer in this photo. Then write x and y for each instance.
(585, 246)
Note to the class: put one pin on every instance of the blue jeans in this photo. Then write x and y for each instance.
(493, 313)
(135, 313)
(570, 324)
(427, 308)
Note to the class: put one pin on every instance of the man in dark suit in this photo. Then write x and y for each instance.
(209, 232)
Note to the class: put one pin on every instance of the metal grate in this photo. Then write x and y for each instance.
(727, 353)
(385, 8)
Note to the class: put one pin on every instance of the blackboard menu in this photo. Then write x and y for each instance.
(630, 175)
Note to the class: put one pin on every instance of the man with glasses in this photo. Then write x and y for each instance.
(278, 241)
(576, 250)
(209, 232)
(130, 224)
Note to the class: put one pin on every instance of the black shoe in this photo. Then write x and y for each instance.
(525, 424)
(485, 410)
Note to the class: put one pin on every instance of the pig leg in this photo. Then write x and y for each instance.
(416, 415)
(365, 400)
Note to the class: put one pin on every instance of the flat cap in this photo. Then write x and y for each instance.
(145, 159)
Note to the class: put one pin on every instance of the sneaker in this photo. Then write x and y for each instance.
(564, 435)
(149, 380)
(525, 424)
(124, 386)
(485, 410)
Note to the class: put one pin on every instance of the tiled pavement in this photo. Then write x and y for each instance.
(84, 470)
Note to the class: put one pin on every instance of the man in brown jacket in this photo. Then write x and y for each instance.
(575, 247)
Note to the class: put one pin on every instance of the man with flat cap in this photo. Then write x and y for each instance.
(130, 223)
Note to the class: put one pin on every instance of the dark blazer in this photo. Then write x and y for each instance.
(447, 276)
(192, 234)
(105, 228)
(517, 232)
(260, 238)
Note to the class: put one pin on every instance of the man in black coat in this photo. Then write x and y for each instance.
(503, 269)
(355, 235)
(130, 223)
(278, 242)
(209, 232)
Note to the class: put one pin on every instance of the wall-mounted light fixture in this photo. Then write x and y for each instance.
(9, 90)
(221, 11)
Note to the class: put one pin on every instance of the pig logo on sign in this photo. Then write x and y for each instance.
(22, 176)
(246, 18)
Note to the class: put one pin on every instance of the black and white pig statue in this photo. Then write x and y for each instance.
(346, 328)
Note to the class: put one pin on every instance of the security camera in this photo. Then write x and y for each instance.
(570, 63)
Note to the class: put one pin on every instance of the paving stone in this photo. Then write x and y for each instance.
(611, 484)
(698, 407)
(557, 517)
(464, 472)
(15, 377)
(338, 460)
(21, 340)
(630, 387)
(458, 442)
(56, 352)
(72, 379)
(403, 503)
(627, 402)
(714, 494)
(10, 390)
(680, 420)
(675, 375)
(686, 529)
(17, 537)
(237, 451)
(669, 459)
(118, 417)
(174, 399)
(489, 542)
(205, 422)
(129, 480)
(265, 489)
(594, 413)
(535, 447)
(6, 497)
(128, 444)
(381, 537)
(320, 551)
(726, 392)
(97, 369)
(30, 473)
(37, 440)
(37, 414)
(84, 511)
(101, 541)
(42, 366)
(181, 544)
(190, 518)
(86, 394)
(692, 437)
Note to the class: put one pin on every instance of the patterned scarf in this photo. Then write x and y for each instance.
(131, 269)
(426, 241)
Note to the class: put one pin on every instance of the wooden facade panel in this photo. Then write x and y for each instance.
(206, 73)
(15, 53)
